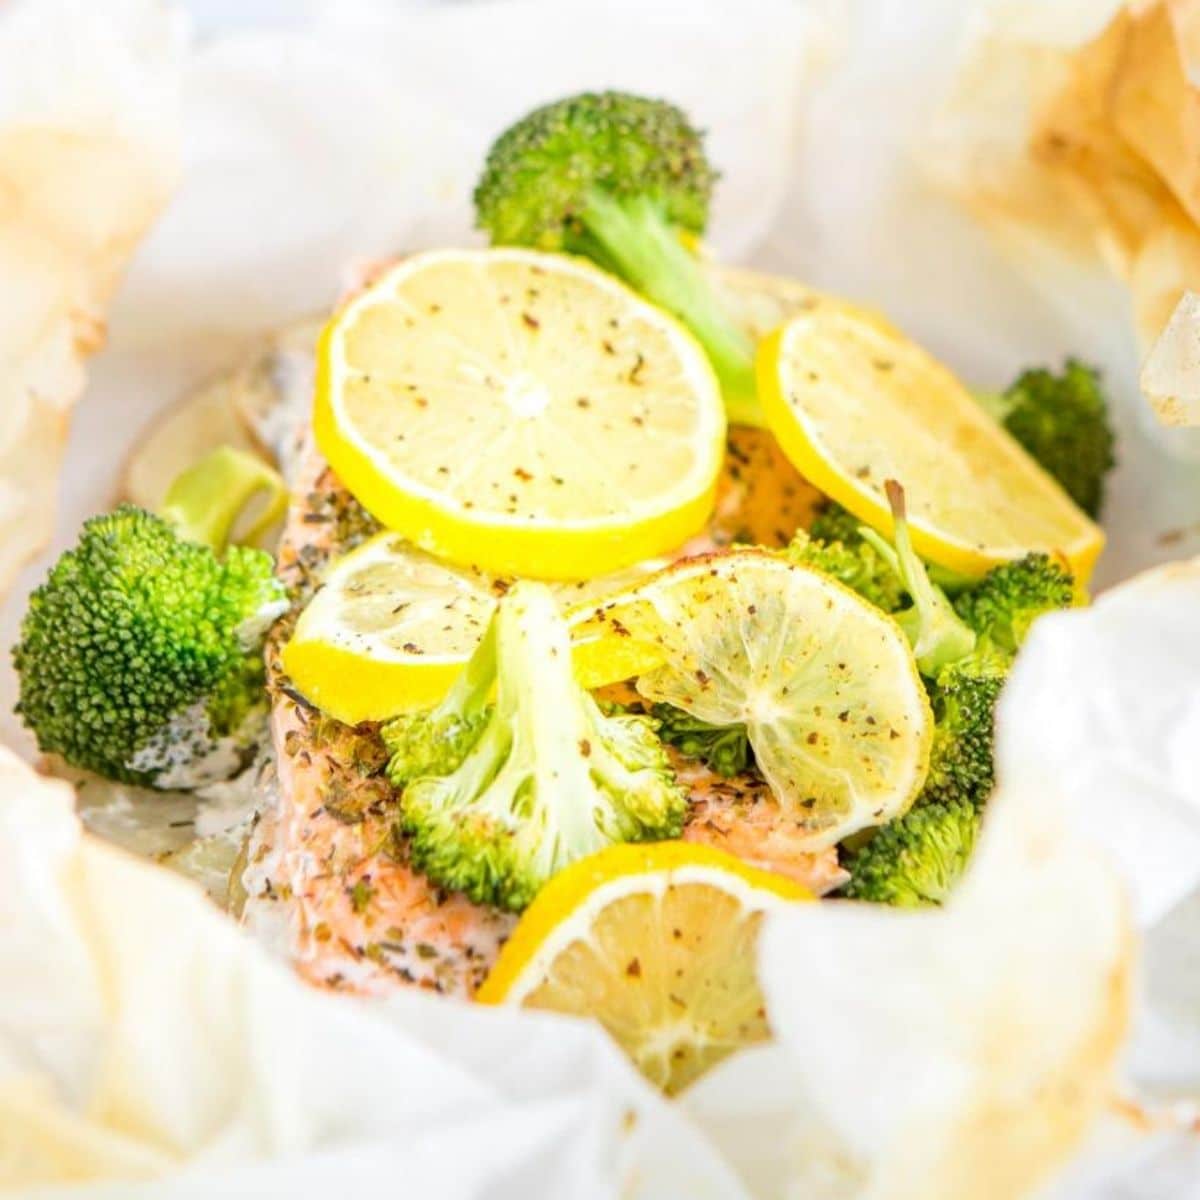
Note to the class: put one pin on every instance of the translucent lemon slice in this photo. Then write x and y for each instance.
(657, 943)
(825, 683)
(520, 412)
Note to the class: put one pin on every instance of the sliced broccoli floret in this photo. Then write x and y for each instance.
(917, 859)
(1062, 420)
(435, 742)
(1010, 597)
(617, 178)
(724, 749)
(835, 545)
(139, 657)
(548, 778)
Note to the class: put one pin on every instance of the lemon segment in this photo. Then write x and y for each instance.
(854, 403)
(520, 412)
(825, 683)
(658, 943)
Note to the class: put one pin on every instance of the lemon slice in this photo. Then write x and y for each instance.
(388, 631)
(520, 412)
(824, 682)
(391, 626)
(854, 403)
(658, 943)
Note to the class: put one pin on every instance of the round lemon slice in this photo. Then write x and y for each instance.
(391, 626)
(387, 631)
(520, 412)
(854, 403)
(657, 943)
(825, 683)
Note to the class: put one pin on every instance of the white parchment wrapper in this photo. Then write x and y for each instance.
(142, 1037)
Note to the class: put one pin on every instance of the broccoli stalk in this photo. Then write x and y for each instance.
(547, 778)
(1062, 421)
(139, 655)
(618, 178)
(937, 633)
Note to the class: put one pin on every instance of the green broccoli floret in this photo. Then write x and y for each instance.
(139, 656)
(1062, 420)
(724, 749)
(548, 777)
(436, 741)
(617, 178)
(1010, 597)
(961, 764)
(917, 859)
(835, 545)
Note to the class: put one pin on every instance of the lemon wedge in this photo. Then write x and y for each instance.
(520, 412)
(854, 403)
(657, 943)
(825, 683)
(391, 626)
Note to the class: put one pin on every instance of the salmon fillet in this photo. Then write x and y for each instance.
(325, 856)
(327, 874)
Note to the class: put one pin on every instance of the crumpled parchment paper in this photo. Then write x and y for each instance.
(147, 1048)
(89, 142)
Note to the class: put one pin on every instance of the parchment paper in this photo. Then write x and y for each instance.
(149, 1017)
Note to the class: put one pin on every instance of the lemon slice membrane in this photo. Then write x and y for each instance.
(854, 403)
(659, 944)
(521, 412)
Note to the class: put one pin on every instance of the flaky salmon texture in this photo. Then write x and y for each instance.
(327, 870)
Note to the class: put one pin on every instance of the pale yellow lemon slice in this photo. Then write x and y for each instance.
(658, 943)
(824, 682)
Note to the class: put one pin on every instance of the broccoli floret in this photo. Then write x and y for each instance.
(724, 749)
(618, 178)
(548, 777)
(1062, 421)
(435, 742)
(139, 656)
(915, 860)
(961, 765)
(835, 545)
(1010, 597)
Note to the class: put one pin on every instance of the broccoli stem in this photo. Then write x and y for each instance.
(631, 237)
(937, 633)
(206, 501)
(545, 708)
